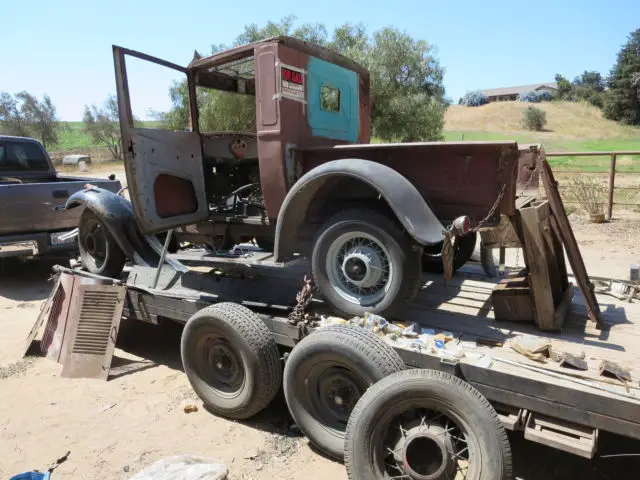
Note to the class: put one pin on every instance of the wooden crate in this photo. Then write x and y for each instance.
(512, 300)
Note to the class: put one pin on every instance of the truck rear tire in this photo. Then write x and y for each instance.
(325, 375)
(463, 249)
(99, 252)
(426, 424)
(231, 360)
(363, 262)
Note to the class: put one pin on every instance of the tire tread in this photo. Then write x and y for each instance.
(261, 344)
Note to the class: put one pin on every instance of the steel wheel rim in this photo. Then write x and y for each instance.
(332, 391)
(359, 268)
(424, 441)
(94, 241)
(219, 365)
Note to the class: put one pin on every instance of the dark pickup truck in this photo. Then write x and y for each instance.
(33, 220)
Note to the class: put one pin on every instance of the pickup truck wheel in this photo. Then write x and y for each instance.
(426, 424)
(363, 262)
(463, 249)
(99, 252)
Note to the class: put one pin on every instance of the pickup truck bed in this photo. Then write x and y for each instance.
(33, 196)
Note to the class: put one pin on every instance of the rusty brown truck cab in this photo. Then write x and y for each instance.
(370, 217)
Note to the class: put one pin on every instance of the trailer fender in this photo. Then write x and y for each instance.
(403, 198)
(116, 213)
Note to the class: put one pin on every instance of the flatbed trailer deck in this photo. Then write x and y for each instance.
(558, 406)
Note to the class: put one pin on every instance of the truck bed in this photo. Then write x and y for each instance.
(37, 205)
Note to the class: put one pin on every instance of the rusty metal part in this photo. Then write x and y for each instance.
(303, 298)
(487, 219)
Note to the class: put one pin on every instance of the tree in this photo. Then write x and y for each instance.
(406, 81)
(564, 88)
(102, 124)
(40, 116)
(24, 115)
(11, 120)
(588, 87)
(623, 97)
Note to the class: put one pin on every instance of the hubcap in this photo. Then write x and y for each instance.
(359, 267)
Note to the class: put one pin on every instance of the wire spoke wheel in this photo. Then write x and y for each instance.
(424, 424)
(359, 267)
(423, 444)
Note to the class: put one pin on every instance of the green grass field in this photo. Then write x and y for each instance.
(72, 136)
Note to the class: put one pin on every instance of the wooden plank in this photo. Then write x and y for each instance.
(550, 389)
(564, 307)
(569, 413)
(570, 243)
(536, 252)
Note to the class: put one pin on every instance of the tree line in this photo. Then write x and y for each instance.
(23, 115)
(408, 97)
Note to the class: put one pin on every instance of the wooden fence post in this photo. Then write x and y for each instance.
(612, 181)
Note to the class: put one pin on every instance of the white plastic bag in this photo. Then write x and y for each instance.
(184, 467)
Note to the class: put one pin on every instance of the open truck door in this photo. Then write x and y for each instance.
(164, 168)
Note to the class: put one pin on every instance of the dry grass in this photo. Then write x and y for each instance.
(565, 119)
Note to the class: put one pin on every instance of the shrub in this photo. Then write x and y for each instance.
(474, 99)
(589, 193)
(534, 119)
(536, 97)
(545, 96)
(530, 97)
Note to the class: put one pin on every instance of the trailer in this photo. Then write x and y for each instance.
(245, 336)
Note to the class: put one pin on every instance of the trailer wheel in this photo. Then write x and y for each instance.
(463, 249)
(99, 252)
(363, 262)
(326, 374)
(231, 360)
(426, 424)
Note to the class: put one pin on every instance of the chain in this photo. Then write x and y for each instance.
(526, 185)
(492, 211)
(303, 298)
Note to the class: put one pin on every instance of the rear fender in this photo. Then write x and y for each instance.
(404, 199)
(116, 213)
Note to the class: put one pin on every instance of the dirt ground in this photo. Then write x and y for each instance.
(114, 429)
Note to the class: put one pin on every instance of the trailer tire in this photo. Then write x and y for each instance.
(326, 373)
(100, 254)
(420, 415)
(231, 360)
(463, 249)
(348, 251)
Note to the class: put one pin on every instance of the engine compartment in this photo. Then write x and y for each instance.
(232, 173)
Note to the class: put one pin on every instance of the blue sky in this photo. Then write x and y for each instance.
(63, 47)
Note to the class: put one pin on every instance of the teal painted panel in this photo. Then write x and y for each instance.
(336, 125)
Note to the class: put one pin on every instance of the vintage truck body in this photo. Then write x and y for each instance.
(308, 177)
(33, 197)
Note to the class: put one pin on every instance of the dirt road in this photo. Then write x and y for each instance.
(116, 428)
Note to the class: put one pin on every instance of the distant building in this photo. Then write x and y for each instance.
(512, 93)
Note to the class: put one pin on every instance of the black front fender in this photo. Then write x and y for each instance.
(401, 195)
(116, 213)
